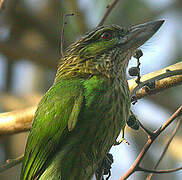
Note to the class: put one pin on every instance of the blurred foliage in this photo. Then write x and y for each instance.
(31, 31)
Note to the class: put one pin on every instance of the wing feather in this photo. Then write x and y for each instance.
(56, 116)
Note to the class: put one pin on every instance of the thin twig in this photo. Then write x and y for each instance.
(2, 5)
(134, 166)
(109, 9)
(62, 33)
(151, 138)
(148, 132)
(11, 163)
(159, 171)
(171, 119)
(166, 147)
(168, 142)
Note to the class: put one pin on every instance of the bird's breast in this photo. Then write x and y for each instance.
(106, 112)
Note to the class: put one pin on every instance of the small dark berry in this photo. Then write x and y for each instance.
(133, 122)
(134, 102)
(138, 54)
(133, 98)
(134, 71)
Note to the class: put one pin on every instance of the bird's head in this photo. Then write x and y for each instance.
(105, 50)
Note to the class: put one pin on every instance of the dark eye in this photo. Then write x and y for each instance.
(106, 36)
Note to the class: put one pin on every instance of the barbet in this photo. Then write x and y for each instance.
(82, 114)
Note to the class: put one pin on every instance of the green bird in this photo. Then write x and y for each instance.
(81, 115)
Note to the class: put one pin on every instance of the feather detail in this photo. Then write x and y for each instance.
(75, 112)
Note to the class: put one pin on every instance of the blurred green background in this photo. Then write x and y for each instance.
(30, 33)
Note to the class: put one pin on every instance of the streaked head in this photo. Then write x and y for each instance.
(105, 49)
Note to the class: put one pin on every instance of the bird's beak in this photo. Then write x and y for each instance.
(139, 34)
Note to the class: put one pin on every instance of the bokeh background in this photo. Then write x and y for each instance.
(30, 33)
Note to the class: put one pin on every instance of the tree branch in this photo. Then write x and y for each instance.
(24, 117)
(16, 121)
(109, 9)
(165, 78)
(166, 146)
(159, 171)
(151, 138)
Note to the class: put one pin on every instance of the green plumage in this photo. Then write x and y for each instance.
(80, 117)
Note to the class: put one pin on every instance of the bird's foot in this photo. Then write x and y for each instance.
(122, 139)
(133, 122)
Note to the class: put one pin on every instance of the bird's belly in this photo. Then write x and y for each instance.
(88, 149)
(98, 133)
(103, 135)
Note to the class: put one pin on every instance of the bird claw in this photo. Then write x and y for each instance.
(121, 140)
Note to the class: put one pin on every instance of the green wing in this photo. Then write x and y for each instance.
(56, 115)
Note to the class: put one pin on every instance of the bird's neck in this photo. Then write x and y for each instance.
(111, 66)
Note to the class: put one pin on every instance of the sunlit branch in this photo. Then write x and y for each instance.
(165, 78)
(16, 121)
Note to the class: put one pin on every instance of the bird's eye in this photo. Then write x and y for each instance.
(106, 36)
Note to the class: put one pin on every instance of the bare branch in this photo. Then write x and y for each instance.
(159, 171)
(136, 164)
(169, 141)
(11, 163)
(157, 79)
(148, 132)
(16, 121)
(166, 146)
(109, 9)
(170, 120)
